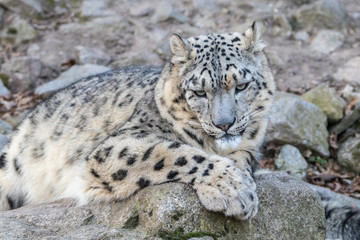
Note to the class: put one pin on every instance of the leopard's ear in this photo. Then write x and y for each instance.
(180, 48)
(251, 38)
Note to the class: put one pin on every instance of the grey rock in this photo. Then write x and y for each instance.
(356, 127)
(204, 22)
(94, 8)
(31, 7)
(301, 36)
(100, 232)
(3, 89)
(27, 72)
(16, 120)
(348, 155)
(205, 5)
(86, 55)
(291, 161)
(299, 123)
(3, 141)
(18, 31)
(349, 93)
(288, 210)
(2, 12)
(329, 14)
(137, 59)
(275, 61)
(349, 72)
(163, 49)
(327, 100)
(327, 41)
(348, 120)
(45, 52)
(336, 197)
(201, 238)
(39, 9)
(5, 127)
(165, 11)
(71, 75)
(281, 26)
(301, 2)
(33, 3)
(141, 10)
(113, 24)
(107, 34)
(15, 228)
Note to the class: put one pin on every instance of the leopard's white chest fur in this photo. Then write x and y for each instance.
(226, 144)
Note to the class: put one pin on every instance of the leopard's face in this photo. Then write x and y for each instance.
(224, 85)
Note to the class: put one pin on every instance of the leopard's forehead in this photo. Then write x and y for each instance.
(221, 55)
(225, 50)
(220, 39)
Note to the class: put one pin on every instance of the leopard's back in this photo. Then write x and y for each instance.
(53, 141)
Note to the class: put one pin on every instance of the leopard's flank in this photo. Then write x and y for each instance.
(199, 120)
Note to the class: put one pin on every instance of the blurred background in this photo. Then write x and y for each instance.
(313, 50)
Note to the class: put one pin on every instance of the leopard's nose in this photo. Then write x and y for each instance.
(225, 126)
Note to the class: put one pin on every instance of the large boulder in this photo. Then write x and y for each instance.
(85, 55)
(288, 210)
(327, 41)
(291, 161)
(349, 72)
(349, 120)
(321, 14)
(3, 89)
(94, 8)
(18, 31)
(27, 72)
(3, 141)
(349, 154)
(107, 34)
(41, 8)
(5, 127)
(70, 76)
(327, 100)
(299, 123)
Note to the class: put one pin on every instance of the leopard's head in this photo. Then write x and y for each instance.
(225, 82)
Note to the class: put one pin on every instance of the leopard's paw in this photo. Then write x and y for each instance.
(227, 189)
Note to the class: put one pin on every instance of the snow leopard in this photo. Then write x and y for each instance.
(199, 120)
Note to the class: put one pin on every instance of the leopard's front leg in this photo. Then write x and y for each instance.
(123, 165)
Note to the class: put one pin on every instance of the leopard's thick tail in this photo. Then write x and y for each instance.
(342, 215)
(11, 196)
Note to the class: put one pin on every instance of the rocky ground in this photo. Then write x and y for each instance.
(313, 49)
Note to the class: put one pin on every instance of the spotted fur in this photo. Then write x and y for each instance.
(200, 120)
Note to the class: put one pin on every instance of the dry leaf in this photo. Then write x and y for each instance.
(307, 153)
(337, 186)
(350, 106)
(333, 141)
(7, 104)
(356, 184)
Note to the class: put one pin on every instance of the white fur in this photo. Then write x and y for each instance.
(75, 185)
(228, 143)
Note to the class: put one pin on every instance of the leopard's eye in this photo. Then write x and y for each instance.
(241, 87)
(200, 93)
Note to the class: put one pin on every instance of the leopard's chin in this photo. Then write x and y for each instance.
(228, 142)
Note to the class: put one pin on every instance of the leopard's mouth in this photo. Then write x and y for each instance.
(228, 136)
